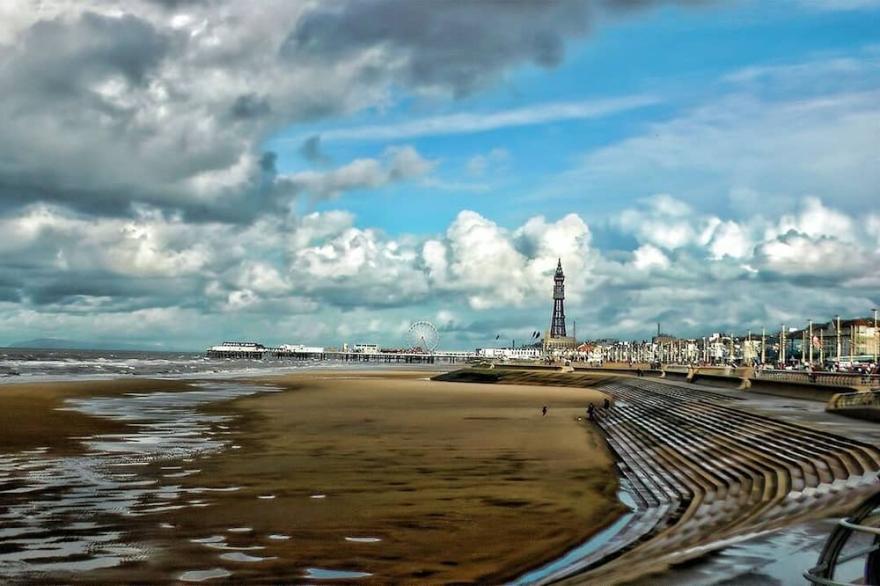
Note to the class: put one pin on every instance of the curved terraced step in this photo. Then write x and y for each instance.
(702, 471)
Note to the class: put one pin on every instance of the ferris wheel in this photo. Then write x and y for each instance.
(422, 335)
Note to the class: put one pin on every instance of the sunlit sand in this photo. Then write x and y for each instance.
(369, 476)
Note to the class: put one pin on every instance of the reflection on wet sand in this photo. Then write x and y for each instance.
(66, 513)
(323, 574)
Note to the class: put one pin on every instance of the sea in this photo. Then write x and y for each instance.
(36, 364)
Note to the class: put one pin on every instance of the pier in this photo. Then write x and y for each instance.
(252, 351)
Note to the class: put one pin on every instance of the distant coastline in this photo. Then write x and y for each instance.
(64, 344)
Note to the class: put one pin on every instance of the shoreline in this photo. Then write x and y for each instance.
(267, 369)
(370, 420)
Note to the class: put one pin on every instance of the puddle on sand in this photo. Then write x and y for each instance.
(363, 539)
(48, 501)
(211, 539)
(203, 575)
(318, 496)
(324, 574)
(279, 537)
(226, 546)
(237, 556)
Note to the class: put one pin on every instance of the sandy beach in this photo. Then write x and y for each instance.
(388, 475)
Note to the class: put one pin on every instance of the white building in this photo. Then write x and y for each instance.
(509, 353)
(366, 348)
(302, 349)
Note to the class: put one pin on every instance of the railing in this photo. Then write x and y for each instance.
(836, 553)
(859, 399)
(843, 379)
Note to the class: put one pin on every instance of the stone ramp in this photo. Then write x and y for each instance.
(704, 474)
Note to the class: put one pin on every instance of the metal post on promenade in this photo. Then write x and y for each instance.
(811, 342)
(876, 337)
(837, 317)
(852, 341)
(763, 339)
(803, 346)
(782, 345)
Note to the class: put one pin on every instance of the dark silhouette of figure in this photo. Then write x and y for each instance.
(591, 412)
(607, 403)
(544, 410)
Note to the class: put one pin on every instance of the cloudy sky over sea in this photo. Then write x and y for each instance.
(174, 173)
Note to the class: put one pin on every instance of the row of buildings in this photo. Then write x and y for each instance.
(841, 342)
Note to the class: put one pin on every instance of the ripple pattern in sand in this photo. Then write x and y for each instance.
(65, 513)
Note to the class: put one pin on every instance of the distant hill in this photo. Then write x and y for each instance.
(61, 344)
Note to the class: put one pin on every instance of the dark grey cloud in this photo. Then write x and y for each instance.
(59, 58)
(167, 102)
(458, 45)
(311, 151)
(180, 4)
(250, 106)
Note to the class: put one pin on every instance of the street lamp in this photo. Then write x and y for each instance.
(751, 349)
(810, 340)
(782, 345)
(876, 337)
(763, 352)
(837, 317)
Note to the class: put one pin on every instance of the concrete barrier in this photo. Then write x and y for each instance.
(719, 380)
(861, 405)
(514, 366)
(619, 370)
(677, 374)
(744, 379)
(792, 390)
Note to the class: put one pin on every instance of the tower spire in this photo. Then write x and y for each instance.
(557, 322)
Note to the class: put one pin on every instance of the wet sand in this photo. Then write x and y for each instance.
(387, 475)
(30, 415)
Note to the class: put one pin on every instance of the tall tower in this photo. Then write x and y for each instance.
(557, 323)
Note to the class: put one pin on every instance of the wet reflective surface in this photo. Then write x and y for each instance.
(69, 513)
(324, 574)
(773, 559)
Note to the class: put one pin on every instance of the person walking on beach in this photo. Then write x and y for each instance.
(591, 410)
(607, 404)
(544, 410)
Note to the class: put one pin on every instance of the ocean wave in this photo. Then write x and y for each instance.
(29, 364)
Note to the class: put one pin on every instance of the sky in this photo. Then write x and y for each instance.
(175, 173)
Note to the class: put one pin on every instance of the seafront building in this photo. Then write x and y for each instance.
(527, 353)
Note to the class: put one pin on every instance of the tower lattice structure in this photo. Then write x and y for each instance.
(557, 323)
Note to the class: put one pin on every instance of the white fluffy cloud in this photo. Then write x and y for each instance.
(494, 267)
(477, 276)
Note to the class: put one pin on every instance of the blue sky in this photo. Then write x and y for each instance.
(330, 172)
(678, 56)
